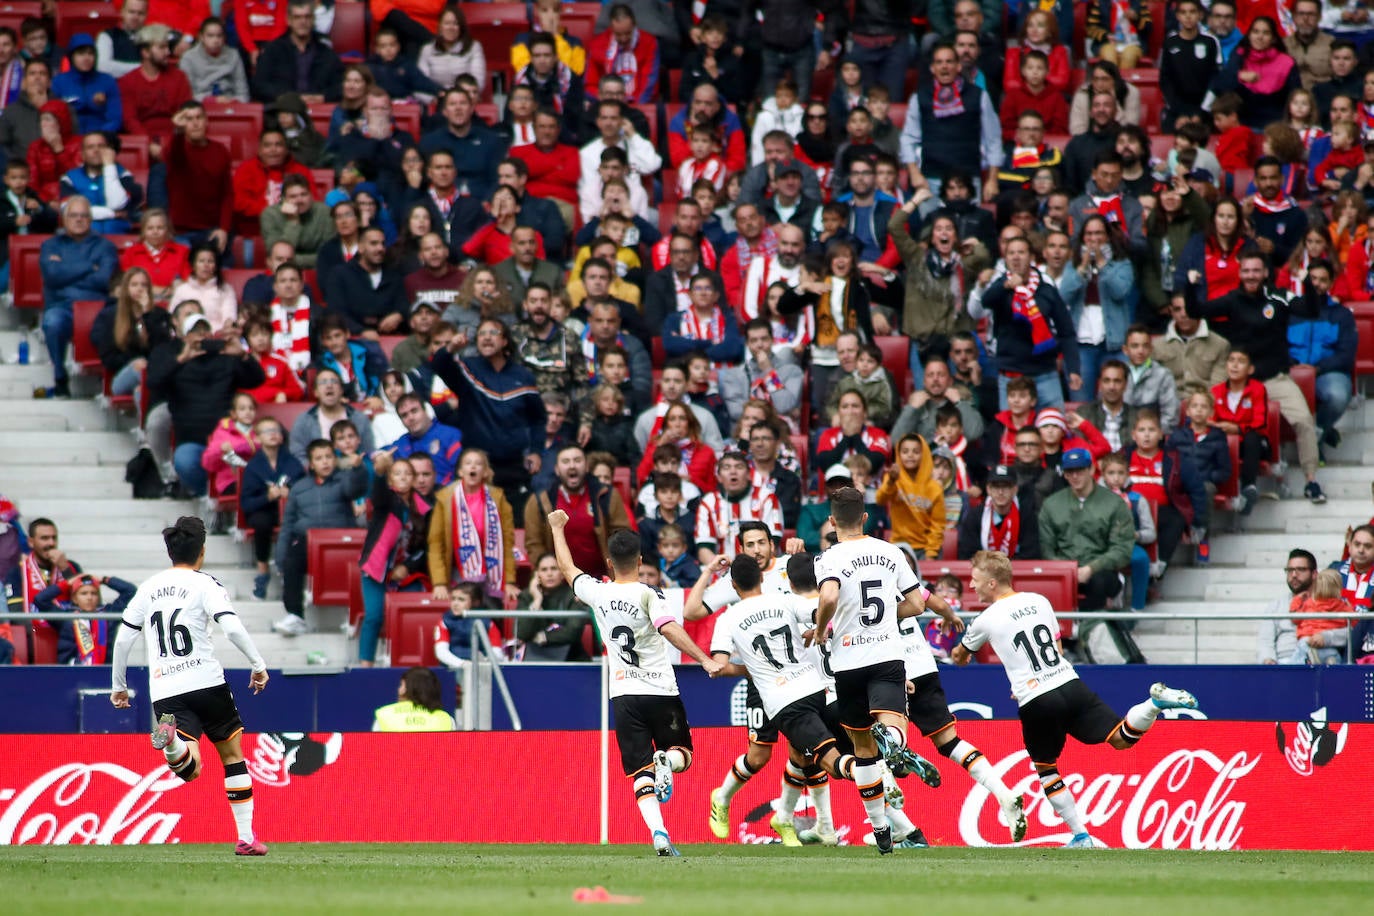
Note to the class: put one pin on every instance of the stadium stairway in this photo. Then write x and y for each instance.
(65, 460)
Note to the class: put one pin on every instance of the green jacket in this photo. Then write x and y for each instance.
(1097, 532)
(931, 306)
(308, 234)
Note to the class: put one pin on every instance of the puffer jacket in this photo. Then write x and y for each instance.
(222, 469)
(1209, 456)
(46, 167)
(1322, 335)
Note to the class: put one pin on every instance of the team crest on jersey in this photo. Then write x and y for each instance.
(1268, 312)
(434, 447)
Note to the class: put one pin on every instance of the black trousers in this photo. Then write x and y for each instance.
(293, 568)
(263, 521)
(1093, 594)
(1253, 447)
(1170, 525)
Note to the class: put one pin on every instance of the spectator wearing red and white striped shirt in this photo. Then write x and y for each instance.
(720, 512)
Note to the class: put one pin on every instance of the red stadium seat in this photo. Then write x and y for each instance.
(1156, 43)
(328, 552)
(584, 27)
(238, 278)
(1151, 107)
(389, 343)
(83, 348)
(625, 485)
(133, 152)
(823, 83)
(496, 26)
(76, 16)
(321, 182)
(320, 115)
(249, 251)
(896, 113)
(19, 638)
(410, 623)
(407, 117)
(1141, 76)
(1057, 580)
(13, 14)
(1364, 329)
(285, 414)
(349, 33)
(650, 113)
(896, 359)
(236, 125)
(44, 646)
(949, 550)
(26, 281)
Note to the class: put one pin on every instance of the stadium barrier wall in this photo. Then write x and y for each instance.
(567, 697)
(1187, 785)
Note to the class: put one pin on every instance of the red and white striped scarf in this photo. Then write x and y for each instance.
(291, 333)
(443, 204)
(712, 169)
(710, 329)
(621, 60)
(1281, 204)
(1006, 534)
(723, 516)
(958, 447)
(765, 246)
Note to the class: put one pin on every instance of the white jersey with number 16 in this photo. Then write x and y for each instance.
(874, 577)
(174, 609)
(629, 615)
(1023, 633)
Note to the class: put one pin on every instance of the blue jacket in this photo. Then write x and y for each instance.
(401, 78)
(1114, 286)
(75, 269)
(729, 350)
(1210, 458)
(442, 443)
(79, 181)
(79, 90)
(1322, 335)
(367, 370)
(67, 653)
(498, 412)
(259, 474)
(476, 155)
(1285, 229)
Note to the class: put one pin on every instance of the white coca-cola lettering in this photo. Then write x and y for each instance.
(37, 812)
(267, 761)
(1158, 813)
(1299, 751)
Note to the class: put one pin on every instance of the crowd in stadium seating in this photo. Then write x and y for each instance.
(703, 264)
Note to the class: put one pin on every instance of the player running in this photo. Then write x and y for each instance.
(866, 585)
(1053, 702)
(650, 721)
(185, 681)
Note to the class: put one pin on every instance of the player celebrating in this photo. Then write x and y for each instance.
(866, 585)
(1053, 702)
(185, 681)
(650, 721)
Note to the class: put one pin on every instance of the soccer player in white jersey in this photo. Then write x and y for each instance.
(173, 611)
(1053, 703)
(650, 721)
(706, 598)
(866, 585)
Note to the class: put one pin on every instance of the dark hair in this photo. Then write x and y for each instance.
(343, 426)
(847, 507)
(422, 684)
(623, 548)
(407, 398)
(1298, 553)
(752, 525)
(210, 249)
(1112, 364)
(1114, 72)
(596, 262)
(666, 481)
(801, 571)
(295, 181)
(331, 322)
(185, 540)
(317, 444)
(745, 573)
(947, 413)
(39, 523)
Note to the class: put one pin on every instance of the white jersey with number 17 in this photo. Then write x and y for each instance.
(174, 610)
(1023, 632)
(873, 577)
(629, 615)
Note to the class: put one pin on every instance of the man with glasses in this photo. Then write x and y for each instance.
(1221, 25)
(1278, 638)
(868, 215)
(298, 61)
(76, 265)
(770, 474)
(1026, 153)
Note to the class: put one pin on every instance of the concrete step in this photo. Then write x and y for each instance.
(277, 650)
(44, 475)
(145, 548)
(1270, 550)
(114, 506)
(1212, 584)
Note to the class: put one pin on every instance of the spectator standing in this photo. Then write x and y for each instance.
(627, 51)
(75, 264)
(299, 61)
(1032, 327)
(200, 186)
(476, 148)
(93, 95)
(595, 512)
(154, 92)
(397, 511)
(1261, 73)
(472, 534)
(950, 124)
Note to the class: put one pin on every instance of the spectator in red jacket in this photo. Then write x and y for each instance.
(627, 51)
(200, 185)
(257, 182)
(1241, 405)
(56, 152)
(153, 93)
(554, 167)
(283, 384)
(166, 260)
(491, 243)
(257, 22)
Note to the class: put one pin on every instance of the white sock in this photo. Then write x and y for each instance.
(793, 781)
(738, 774)
(1141, 716)
(239, 788)
(1062, 800)
(868, 776)
(677, 759)
(902, 827)
(820, 800)
(649, 808)
(973, 760)
(174, 749)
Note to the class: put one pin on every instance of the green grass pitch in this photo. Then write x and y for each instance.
(505, 880)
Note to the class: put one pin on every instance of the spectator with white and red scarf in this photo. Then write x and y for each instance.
(289, 318)
(83, 642)
(1007, 522)
(705, 326)
(765, 441)
(1356, 570)
(553, 82)
(669, 289)
(1032, 327)
(706, 163)
(853, 436)
(45, 564)
(783, 266)
(603, 330)
(1278, 221)
(472, 534)
(1105, 196)
(627, 51)
(687, 219)
(736, 500)
(760, 376)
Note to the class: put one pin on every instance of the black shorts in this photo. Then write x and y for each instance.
(1072, 709)
(927, 707)
(811, 724)
(210, 711)
(762, 729)
(861, 692)
(644, 724)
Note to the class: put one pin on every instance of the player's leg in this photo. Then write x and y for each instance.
(793, 783)
(224, 727)
(1141, 716)
(1044, 730)
(887, 698)
(177, 735)
(635, 739)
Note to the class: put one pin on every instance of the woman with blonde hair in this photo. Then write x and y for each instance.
(120, 335)
(472, 533)
(480, 297)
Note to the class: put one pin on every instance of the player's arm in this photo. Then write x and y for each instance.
(974, 639)
(233, 628)
(694, 606)
(930, 601)
(959, 655)
(119, 666)
(825, 611)
(558, 520)
(730, 669)
(672, 631)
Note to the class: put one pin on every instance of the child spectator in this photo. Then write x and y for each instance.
(1284, 143)
(714, 60)
(669, 509)
(347, 444)
(706, 164)
(613, 368)
(266, 481)
(949, 434)
(871, 380)
(1039, 33)
(1242, 409)
(667, 459)
(1116, 478)
(400, 76)
(886, 135)
(781, 111)
(1192, 139)
(1346, 156)
(359, 368)
(914, 501)
(702, 390)
(282, 383)
(847, 95)
(942, 472)
(397, 511)
(1304, 118)
(1173, 488)
(1321, 642)
(1236, 144)
(1118, 30)
(453, 634)
(676, 567)
(886, 172)
(1204, 447)
(861, 473)
(999, 442)
(82, 642)
(230, 446)
(951, 590)
(1034, 94)
(1149, 384)
(22, 212)
(612, 427)
(1059, 438)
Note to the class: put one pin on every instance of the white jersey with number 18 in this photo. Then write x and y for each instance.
(174, 610)
(629, 615)
(873, 577)
(1023, 632)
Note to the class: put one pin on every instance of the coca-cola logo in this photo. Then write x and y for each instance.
(1315, 743)
(50, 810)
(274, 757)
(1183, 802)
(754, 828)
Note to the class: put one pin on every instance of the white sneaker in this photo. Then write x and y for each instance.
(1015, 813)
(812, 836)
(291, 625)
(663, 777)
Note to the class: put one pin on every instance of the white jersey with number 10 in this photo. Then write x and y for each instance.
(629, 615)
(873, 577)
(1023, 632)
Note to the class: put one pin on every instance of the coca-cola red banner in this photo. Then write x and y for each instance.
(1187, 785)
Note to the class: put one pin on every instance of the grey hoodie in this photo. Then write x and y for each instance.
(222, 77)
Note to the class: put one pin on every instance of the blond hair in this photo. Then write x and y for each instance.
(993, 564)
(1327, 584)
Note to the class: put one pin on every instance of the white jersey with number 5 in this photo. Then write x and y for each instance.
(1023, 633)
(873, 577)
(174, 610)
(765, 632)
(629, 615)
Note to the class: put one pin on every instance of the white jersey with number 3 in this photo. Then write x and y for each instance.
(629, 615)
(873, 577)
(174, 610)
(1023, 632)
